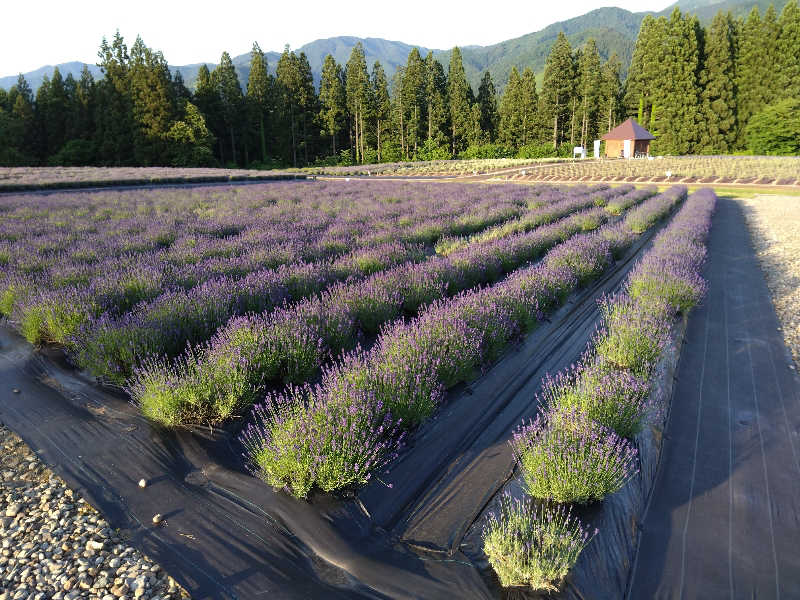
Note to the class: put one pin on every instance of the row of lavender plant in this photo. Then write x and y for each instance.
(111, 346)
(214, 381)
(296, 438)
(541, 215)
(293, 342)
(70, 243)
(579, 447)
(47, 311)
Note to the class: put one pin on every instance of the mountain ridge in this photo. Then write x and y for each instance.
(613, 29)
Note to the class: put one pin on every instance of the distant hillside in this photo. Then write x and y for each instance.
(614, 30)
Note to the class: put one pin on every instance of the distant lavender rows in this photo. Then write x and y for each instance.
(324, 435)
(71, 258)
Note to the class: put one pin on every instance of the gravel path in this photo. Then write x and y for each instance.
(53, 544)
(774, 223)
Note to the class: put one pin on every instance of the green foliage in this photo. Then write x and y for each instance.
(776, 129)
(75, 153)
(718, 81)
(460, 97)
(190, 140)
(487, 151)
(558, 90)
(430, 150)
(533, 545)
(545, 150)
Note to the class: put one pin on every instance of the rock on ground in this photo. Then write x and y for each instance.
(54, 545)
(774, 223)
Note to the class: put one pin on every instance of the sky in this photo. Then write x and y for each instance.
(44, 33)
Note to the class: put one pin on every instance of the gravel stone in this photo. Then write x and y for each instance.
(55, 545)
(774, 223)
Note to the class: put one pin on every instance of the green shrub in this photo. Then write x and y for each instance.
(478, 151)
(537, 151)
(531, 544)
(567, 457)
(776, 129)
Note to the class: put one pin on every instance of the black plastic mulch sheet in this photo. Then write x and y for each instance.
(724, 516)
(228, 535)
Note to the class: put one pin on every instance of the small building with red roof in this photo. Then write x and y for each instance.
(627, 140)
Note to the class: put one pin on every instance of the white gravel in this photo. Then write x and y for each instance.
(774, 223)
(54, 545)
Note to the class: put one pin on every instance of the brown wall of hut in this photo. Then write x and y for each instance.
(614, 148)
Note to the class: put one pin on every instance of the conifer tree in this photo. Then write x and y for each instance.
(206, 98)
(332, 99)
(643, 86)
(679, 91)
(308, 102)
(231, 99)
(82, 120)
(510, 111)
(288, 84)
(611, 91)
(357, 89)
(528, 107)
(590, 90)
(436, 110)
(487, 102)
(718, 80)
(558, 88)
(152, 103)
(459, 95)
(114, 114)
(788, 51)
(413, 103)
(259, 97)
(382, 106)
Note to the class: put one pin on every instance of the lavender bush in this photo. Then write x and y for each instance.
(331, 439)
(567, 457)
(616, 399)
(533, 545)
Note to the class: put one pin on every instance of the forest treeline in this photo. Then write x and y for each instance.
(732, 86)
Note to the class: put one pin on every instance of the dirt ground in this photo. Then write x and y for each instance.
(774, 223)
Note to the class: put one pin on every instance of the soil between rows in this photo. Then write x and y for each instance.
(228, 535)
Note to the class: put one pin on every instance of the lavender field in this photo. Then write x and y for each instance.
(325, 321)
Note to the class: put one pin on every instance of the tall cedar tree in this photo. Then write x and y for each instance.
(114, 130)
(612, 92)
(207, 99)
(590, 92)
(288, 88)
(308, 103)
(459, 100)
(643, 86)
(788, 46)
(259, 98)
(487, 101)
(558, 89)
(152, 100)
(413, 104)
(718, 80)
(382, 106)
(510, 112)
(332, 100)
(436, 108)
(357, 88)
(679, 110)
(231, 100)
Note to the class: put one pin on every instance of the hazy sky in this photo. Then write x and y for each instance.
(40, 33)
